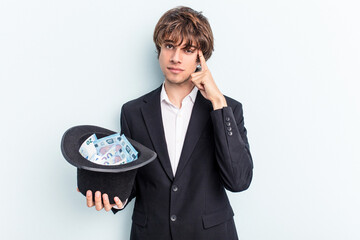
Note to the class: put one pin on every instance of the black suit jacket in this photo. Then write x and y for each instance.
(215, 156)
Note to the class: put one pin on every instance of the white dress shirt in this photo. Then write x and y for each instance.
(175, 122)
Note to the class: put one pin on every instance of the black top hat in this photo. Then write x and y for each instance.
(114, 180)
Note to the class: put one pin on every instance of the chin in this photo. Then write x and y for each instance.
(176, 79)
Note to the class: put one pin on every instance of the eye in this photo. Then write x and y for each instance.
(169, 46)
(189, 50)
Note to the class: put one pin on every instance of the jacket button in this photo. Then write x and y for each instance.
(229, 128)
(175, 188)
(227, 119)
(228, 124)
(173, 218)
(230, 133)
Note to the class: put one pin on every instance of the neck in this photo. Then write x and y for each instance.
(177, 92)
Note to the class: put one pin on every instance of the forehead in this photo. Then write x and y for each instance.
(181, 40)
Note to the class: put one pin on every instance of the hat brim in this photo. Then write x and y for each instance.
(116, 180)
(75, 136)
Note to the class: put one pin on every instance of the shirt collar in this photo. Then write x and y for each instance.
(164, 96)
(193, 94)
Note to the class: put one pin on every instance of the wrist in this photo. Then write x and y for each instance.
(219, 102)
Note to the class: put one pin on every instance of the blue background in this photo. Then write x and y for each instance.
(293, 64)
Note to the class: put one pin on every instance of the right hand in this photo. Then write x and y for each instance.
(98, 203)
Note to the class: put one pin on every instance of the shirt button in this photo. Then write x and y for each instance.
(228, 124)
(173, 218)
(227, 119)
(230, 133)
(229, 128)
(175, 188)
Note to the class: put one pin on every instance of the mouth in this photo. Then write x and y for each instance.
(175, 70)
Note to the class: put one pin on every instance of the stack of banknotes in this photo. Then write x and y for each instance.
(110, 150)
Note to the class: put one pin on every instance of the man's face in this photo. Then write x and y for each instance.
(177, 62)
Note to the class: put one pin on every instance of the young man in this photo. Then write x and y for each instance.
(198, 134)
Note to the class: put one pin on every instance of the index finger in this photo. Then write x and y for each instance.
(202, 60)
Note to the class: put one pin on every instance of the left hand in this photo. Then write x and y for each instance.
(204, 81)
(104, 204)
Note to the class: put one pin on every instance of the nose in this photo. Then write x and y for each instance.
(176, 56)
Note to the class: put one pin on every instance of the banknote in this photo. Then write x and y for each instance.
(104, 144)
(129, 149)
(96, 159)
(110, 150)
(87, 149)
(109, 158)
(124, 157)
(120, 153)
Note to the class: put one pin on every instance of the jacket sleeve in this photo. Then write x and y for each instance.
(232, 148)
(126, 131)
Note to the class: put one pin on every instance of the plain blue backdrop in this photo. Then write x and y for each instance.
(293, 64)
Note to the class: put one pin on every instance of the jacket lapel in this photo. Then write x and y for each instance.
(152, 116)
(199, 118)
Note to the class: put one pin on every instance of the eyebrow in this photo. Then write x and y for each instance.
(171, 41)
